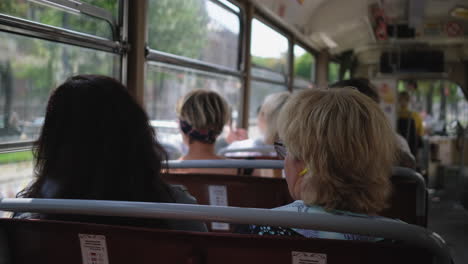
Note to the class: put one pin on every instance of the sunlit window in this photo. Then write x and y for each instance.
(304, 68)
(197, 29)
(269, 49)
(29, 70)
(42, 12)
(441, 104)
(333, 72)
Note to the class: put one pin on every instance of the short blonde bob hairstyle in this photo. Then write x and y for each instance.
(346, 143)
(270, 110)
(204, 110)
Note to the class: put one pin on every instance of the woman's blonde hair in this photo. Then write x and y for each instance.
(346, 143)
(270, 109)
(204, 110)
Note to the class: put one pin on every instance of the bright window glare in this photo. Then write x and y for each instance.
(221, 18)
(230, 5)
(266, 42)
(298, 51)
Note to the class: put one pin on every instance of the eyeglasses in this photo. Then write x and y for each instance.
(280, 149)
(282, 152)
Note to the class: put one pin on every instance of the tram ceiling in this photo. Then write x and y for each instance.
(341, 25)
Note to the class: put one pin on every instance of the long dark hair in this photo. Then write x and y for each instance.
(96, 143)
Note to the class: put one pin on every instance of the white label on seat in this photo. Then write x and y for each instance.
(218, 196)
(308, 258)
(93, 249)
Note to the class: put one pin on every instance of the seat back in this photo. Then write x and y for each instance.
(37, 241)
(241, 191)
(231, 190)
(408, 201)
(55, 242)
(409, 197)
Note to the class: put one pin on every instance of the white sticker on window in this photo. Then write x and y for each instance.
(218, 196)
(93, 249)
(308, 258)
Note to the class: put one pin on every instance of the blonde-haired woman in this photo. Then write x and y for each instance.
(335, 159)
(202, 116)
(266, 122)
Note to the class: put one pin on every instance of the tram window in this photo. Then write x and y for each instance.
(269, 49)
(16, 169)
(166, 84)
(301, 84)
(347, 75)
(29, 69)
(440, 103)
(258, 91)
(268, 74)
(195, 29)
(59, 16)
(304, 67)
(333, 72)
(109, 5)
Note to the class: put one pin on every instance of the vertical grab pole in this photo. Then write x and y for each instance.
(246, 63)
(137, 25)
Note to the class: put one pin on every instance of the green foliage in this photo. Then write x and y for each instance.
(178, 26)
(13, 157)
(303, 66)
(59, 18)
(333, 72)
(110, 5)
(275, 64)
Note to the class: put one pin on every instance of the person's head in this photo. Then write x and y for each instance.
(403, 99)
(96, 143)
(362, 84)
(268, 115)
(202, 115)
(346, 144)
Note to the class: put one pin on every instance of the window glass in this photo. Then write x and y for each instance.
(109, 5)
(268, 74)
(333, 72)
(230, 5)
(302, 84)
(29, 69)
(258, 92)
(439, 103)
(58, 17)
(16, 169)
(166, 84)
(269, 49)
(304, 64)
(197, 29)
(347, 75)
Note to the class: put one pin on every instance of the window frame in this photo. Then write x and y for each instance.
(156, 56)
(333, 61)
(35, 30)
(166, 57)
(282, 33)
(314, 66)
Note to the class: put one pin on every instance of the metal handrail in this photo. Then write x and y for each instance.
(30, 28)
(232, 164)
(409, 234)
(263, 149)
(397, 172)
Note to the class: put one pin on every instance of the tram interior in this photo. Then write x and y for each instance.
(415, 46)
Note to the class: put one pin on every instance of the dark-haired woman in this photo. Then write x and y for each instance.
(97, 144)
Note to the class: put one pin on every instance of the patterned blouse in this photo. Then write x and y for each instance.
(299, 206)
